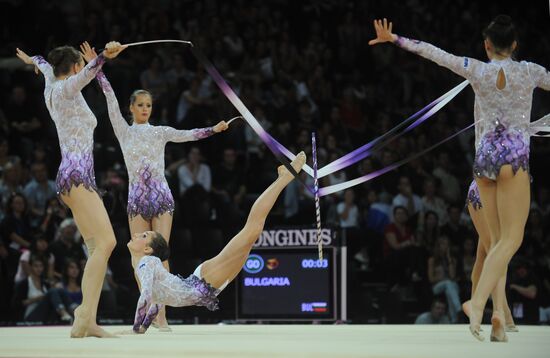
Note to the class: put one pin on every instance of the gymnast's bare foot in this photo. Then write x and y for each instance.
(161, 324)
(95, 331)
(475, 322)
(498, 332)
(297, 164)
(509, 319)
(80, 324)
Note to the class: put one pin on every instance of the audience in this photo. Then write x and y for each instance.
(326, 80)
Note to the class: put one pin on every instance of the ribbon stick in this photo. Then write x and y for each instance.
(316, 193)
(232, 119)
(158, 41)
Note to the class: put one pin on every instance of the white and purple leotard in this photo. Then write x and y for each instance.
(75, 124)
(502, 136)
(143, 149)
(159, 287)
(473, 191)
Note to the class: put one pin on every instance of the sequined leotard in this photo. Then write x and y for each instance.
(75, 124)
(159, 287)
(143, 149)
(502, 134)
(473, 191)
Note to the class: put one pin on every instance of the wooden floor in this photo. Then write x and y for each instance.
(277, 341)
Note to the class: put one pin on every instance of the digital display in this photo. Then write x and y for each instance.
(286, 283)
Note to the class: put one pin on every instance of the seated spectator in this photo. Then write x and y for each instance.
(455, 229)
(71, 281)
(38, 191)
(348, 214)
(398, 243)
(523, 288)
(55, 214)
(442, 276)
(451, 190)
(194, 172)
(429, 231)
(15, 231)
(37, 302)
(436, 315)
(66, 245)
(39, 249)
(10, 183)
(407, 199)
(432, 202)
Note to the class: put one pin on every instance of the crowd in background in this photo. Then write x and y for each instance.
(299, 66)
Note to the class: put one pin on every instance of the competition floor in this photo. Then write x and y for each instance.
(277, 341)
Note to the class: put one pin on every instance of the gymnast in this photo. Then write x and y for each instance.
(150, 202)
(159, 287)
(503, 97)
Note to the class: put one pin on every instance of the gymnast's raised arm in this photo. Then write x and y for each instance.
(463, 66)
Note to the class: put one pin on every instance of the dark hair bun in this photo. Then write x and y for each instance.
(501, 32)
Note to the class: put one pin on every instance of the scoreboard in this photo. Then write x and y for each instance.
(281, 283)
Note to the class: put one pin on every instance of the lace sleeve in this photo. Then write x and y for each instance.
(120, 125)
(146, 310)
(463, 66)
(76, 83)
(179, 136)
(44, 67)
(540, 75)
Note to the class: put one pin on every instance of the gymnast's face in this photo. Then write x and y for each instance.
(140, 243)
(141, 108)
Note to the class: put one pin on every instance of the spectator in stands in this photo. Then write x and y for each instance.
(436, 315)
(442, 276)
(194, 172)
(38, 191)
(37, 302)
(524, 288)
(432, 202)
(66, 245)
(407, 199)
(39, 249)
(16, 231)
(53, 217)
(398, 243)
(71, 281)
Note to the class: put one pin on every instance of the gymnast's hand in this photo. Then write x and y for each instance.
(112, 49)
(25, 58)
(220, 127)
(87, 52)
(383, 32)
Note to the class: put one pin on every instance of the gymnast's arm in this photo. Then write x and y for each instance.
(540, 75)
(463, 66)
(173, 135)
(146, 311)
(120, 126)
(40, 64)
(76, 83)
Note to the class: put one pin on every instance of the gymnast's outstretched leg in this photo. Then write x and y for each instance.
(223, 268)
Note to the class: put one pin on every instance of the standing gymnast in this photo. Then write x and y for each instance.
(503, 95)
(150, 202)
(75, 123)
(159, 287)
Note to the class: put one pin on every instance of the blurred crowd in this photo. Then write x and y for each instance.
(299, 66)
